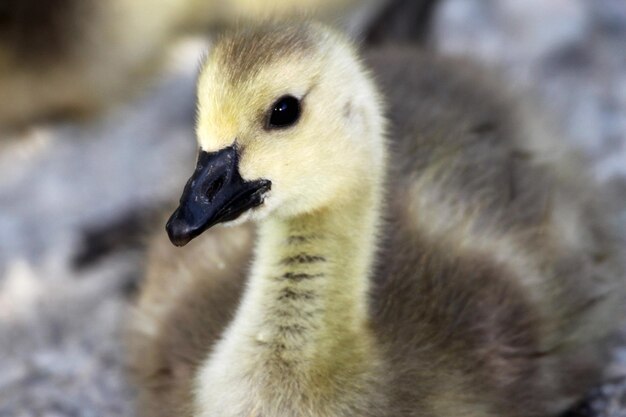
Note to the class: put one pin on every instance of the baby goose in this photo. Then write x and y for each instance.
(457, 273)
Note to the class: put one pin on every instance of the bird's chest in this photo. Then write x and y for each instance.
(278, 370)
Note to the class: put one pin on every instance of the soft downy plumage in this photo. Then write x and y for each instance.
(450, 259)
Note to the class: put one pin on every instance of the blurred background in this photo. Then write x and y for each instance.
(96, 142)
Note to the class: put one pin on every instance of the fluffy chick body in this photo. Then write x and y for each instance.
(478, 277)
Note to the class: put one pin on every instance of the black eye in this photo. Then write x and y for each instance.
(285, 112)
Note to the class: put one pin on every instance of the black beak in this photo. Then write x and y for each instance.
(215, 193)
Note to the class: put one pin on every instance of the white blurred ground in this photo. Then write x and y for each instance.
(60, 352)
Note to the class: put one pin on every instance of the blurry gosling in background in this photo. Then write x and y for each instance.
(69, 58)
(442, 266)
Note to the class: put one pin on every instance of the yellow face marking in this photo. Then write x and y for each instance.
(319, 158)
(229, 111)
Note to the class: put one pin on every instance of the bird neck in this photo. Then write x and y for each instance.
(301, 339)
(306, 303)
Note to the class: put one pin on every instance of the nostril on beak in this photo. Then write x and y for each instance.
(214, 187)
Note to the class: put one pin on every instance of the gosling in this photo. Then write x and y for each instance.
(439, 261)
